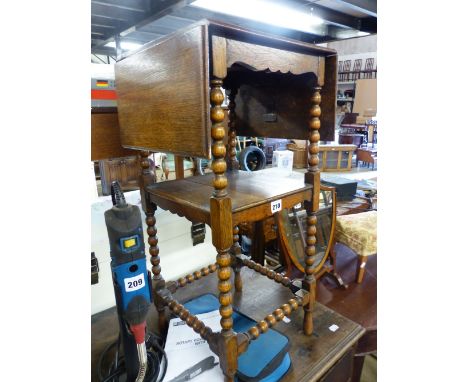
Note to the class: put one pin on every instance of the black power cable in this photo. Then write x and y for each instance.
(156, 356)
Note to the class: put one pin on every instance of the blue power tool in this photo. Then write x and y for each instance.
(132, 281)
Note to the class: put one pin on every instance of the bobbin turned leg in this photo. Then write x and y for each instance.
(237, 265)
(233, 163)
(147, 178)
(222, 234)
(313, 177)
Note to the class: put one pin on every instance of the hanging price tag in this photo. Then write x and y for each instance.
(275, 206)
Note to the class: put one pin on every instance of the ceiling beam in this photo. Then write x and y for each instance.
(330, 16)
(156, 10)
(369, 7)
(104, 50)
(369, 24)
(133, 5)
(195, 14)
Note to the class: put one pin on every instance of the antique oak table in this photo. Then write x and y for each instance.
(169, 98)
(324, 356)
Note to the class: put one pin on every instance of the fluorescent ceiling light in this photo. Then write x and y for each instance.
(125, 45)
(350, 33)
(263, 11)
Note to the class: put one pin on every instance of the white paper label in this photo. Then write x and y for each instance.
(334, 328)
(286, 319)
(134, 283)
(275, 206)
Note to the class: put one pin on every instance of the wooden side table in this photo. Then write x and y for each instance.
(367, 155)
(169, 100)
(325, 356)
(336, 157)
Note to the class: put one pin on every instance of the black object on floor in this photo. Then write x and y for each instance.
(345, 188)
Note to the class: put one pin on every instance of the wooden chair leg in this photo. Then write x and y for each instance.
(313, 177)
(147, 177)
(361, 268)
(358, 363)
(331, 271)
(222, 235)
(236, 250)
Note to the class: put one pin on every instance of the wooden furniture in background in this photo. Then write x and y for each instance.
(359, 233)
(125, 170)
(327, 356)
(356, 72)
(299, 154)
(115, 161)
(367, 155)
(105, 135)
(169, 100)
(336, 157)
(358, 204)
(365, 96)
(369, 70)
(344, 74)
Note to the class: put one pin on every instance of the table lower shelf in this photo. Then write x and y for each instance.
(312, 356)
(251, 194)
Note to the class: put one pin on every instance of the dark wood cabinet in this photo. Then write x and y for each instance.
(105, 134)
(125, 170)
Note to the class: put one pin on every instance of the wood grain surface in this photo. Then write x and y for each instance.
(163, 95)
(105, 135)
(260, 57)
(251, 194)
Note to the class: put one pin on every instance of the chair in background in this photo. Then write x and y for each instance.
(356, 73)
(359, 233)
(344, 76)
(369, 68)
(367, 155)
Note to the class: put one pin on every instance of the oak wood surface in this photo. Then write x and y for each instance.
(260, 57)
(179, 166)
(105, 135)
(272, 104)
(246, 190)
(311, 356)
(163, 87)
(163, 95)
(328, 104)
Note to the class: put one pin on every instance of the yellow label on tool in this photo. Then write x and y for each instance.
(129, 243)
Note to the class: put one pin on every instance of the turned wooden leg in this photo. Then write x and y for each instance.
(147, 178)
(236, 250)
(332, 272)
(309, 282)
(312, 177)
(361, 268)
(233, 163)
(222, 234)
